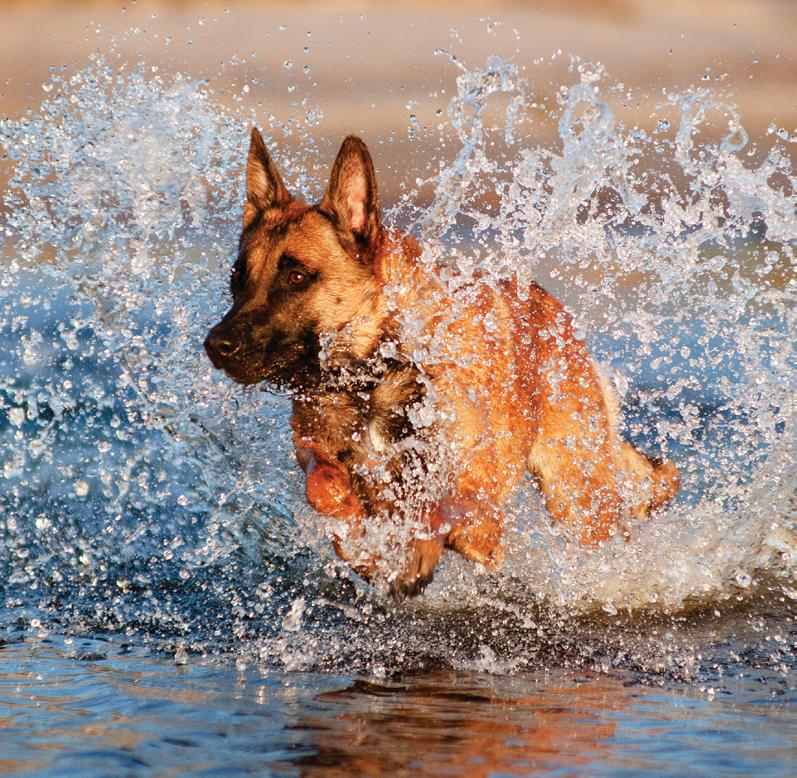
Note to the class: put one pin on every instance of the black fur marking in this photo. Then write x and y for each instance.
(325, 214)
(253, 226)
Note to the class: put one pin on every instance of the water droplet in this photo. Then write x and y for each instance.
(81, 488)
(293, 619)
(43, 522)
(743, 579)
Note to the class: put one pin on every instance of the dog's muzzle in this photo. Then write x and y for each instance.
(221, 344)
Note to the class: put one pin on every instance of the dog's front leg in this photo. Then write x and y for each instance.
(469, 525)
(418, 573)
(329, 490)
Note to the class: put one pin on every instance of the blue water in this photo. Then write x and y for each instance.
(169, 603)
(106, 707)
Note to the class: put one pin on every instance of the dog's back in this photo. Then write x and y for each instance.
(522, 392)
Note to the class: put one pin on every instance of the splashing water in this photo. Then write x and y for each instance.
(144, 493)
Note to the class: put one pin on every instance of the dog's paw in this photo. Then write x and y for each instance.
(419, 572)
(403, 589)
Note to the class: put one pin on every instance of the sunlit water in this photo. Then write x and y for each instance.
(162, 579)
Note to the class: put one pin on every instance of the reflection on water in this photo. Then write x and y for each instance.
(466, 726)
(93, 708)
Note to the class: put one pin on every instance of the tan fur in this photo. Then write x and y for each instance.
(511, 387)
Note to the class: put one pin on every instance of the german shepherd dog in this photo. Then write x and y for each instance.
(420, 397)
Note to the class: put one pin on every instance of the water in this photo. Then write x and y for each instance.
(126, 711)
(168, 599)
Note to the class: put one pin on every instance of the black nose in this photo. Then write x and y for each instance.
(220, 346)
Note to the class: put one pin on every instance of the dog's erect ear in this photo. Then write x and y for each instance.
(264, 187)
(351, 192)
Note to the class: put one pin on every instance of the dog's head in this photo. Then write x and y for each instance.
(304, 274)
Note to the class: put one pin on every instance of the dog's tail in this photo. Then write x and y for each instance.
(666, 481)
(654, 482)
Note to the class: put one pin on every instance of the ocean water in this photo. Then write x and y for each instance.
(167, 600)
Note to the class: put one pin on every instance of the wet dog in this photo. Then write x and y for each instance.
(420, 397)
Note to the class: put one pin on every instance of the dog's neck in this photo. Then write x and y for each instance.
(361, 356)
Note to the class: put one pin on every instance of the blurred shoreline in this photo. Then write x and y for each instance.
(370, 66)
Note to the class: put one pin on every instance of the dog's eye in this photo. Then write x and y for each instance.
(297, 278)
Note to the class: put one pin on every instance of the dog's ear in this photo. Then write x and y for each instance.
(351, 192)
(264, 187)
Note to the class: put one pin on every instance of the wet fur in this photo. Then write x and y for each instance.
(320, 297)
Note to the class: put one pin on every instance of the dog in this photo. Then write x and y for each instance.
(419, 397)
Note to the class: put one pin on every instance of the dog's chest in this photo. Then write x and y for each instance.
(362, 426)
(378, 438)
(387, 409)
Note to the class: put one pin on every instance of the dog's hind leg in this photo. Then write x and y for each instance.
(647, 483)
(476, 529)
(579, 487)
(574, 456)
(592, 481)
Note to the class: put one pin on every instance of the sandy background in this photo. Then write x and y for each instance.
(370, 65)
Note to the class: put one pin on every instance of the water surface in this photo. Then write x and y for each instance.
(94, 706)
(167, 600)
